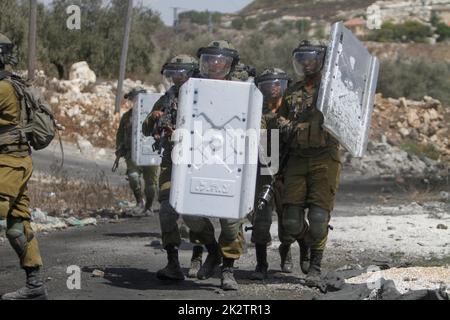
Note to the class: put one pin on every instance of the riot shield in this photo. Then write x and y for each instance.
(142, 147)
(215, 154)
(347, 91)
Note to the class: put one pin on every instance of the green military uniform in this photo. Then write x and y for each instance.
(168, 216)
(313, 169)
(15, 171)
(263, 218)
(134, 172)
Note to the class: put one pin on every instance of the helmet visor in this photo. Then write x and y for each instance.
(215, 66)
(273, 89)
(177, 76)
(308, 62)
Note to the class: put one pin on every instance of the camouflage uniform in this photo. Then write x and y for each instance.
(170, 233)
(134, 172)
(312, 173)
(15, 171)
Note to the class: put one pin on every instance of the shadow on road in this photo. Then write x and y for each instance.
(142, 279)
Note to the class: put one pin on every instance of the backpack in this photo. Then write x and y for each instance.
(37, 123)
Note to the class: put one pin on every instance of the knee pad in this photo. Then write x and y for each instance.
(134, 178)
(293, 221)
(318, 219)
(16, 235)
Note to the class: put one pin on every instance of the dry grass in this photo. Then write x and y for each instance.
(60, 195)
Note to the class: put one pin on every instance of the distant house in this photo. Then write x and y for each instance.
(357, 25)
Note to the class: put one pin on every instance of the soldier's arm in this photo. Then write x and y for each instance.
(149, 123)
(120, 136)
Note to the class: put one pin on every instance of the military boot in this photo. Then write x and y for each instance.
(228, 281)
(261, 263)
(196, 261)
(212, 262)
(173, 270)
(304, 257)
(314, 272)
(286, 258)
(33, 290)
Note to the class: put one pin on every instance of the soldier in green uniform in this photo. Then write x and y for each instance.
(311, 176)
(273, 84)
(15, 171)
(134, 172)
(160, 124)
(217, 62)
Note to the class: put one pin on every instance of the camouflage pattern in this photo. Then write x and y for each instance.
(311, 176)
(15, 171)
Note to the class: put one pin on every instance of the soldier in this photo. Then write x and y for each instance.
(160, 124)
(15, 171)
(123, 149)
(273, 84)
(217, 62)
(312, 172)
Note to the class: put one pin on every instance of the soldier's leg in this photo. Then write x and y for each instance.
(151, 182)
(134, 179)
(323, 182)
(19, 233)
(201, 232)
(261, 238)
(285, 247)
(171, 241)
(231, 242)
(292, 221)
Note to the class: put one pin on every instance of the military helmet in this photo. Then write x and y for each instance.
(273, 83)
(134, 92)
(309, 56)
(7, 54)
(180, 68)
(217, 59)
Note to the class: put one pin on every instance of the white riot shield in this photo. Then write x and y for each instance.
(215, 154)
(142, 152)
(347, 91)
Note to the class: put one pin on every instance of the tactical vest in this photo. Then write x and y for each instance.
(310, 133)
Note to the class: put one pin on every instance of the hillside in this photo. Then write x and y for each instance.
(319, 9)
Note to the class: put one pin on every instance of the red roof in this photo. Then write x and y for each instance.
(355, 22)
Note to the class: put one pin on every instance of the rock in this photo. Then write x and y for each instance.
(84, 145)
(81, 71)
(442, 227)
(444, 196)
(404, 132)
(413, 118)
(98, 274)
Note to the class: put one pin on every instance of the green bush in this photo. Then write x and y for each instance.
(410, 31)
(414, 147)
(200, 17)
(415, 79)
(237, 23)
(303, 25)
(251, 23)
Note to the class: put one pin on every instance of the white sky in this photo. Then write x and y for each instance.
(165, 6)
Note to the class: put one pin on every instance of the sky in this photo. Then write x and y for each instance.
(165, 6)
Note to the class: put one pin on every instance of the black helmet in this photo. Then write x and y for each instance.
(218, 59)
(273, 83)
(134, 93)
(309, 56)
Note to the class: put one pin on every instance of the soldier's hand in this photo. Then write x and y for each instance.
(157, 114)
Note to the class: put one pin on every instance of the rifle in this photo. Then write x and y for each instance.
(120, 153)
(168, 120)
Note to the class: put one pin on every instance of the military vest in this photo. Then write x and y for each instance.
(300, 107)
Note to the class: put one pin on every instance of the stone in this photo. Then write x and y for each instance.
(413, 118)
(81, 71)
